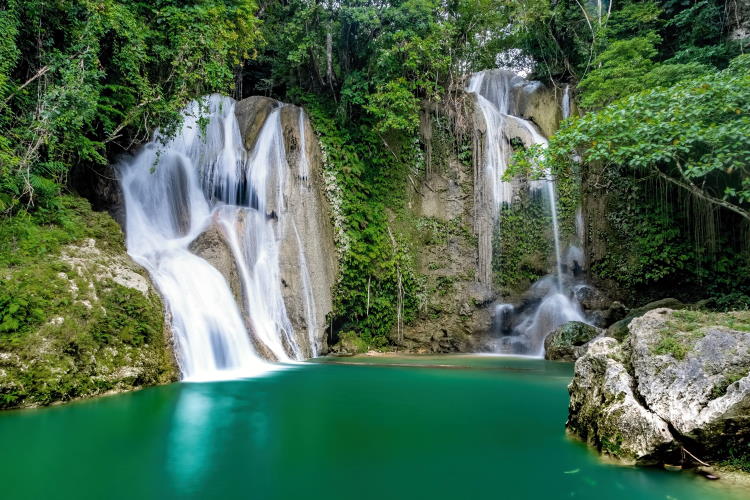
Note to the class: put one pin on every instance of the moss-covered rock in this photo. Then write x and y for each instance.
(77, 316)
(619, 329)
(349, 344)
(567, 342)
(680, 381)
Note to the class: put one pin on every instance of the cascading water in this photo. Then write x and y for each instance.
(566, 103)
(177, 188)
(521, 330)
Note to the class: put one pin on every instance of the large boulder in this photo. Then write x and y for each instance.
(604, 409)
(680, 380)
(212, 246)
(619, 329)
(694, 377)
(567, 342)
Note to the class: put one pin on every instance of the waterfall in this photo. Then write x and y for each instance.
(178, 187)
(500, 95)
(566, 103)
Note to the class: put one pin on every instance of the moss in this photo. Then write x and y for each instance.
(521, 244)
(686, 327)
(65, 330)
(612, 445)
(729, 378)
(352, 343)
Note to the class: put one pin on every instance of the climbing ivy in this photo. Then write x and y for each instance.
(378, 289)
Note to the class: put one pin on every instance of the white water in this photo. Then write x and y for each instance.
(549, 302)
(566, 103)
(174, 191)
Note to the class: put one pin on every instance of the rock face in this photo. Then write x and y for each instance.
(103, 331)
(456, 312)
(619, 329)
(307, 255)
(676, 381)
(568, 342)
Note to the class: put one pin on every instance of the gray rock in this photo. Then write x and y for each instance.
(212, 246)
(567, 342)
(619, 330)
(687, 391)
(604, 410)
(664, 388)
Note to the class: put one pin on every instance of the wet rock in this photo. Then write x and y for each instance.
(212, 246)
(307, 254)
(567, 342)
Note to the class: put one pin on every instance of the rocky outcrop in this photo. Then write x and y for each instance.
(568, 342)
(89, 321)
(679, 380)
(604, 409)
(307, 255)
(619, 329)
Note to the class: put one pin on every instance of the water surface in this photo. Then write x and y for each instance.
(477, 427)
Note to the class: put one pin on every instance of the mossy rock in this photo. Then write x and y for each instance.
(561, 344)
(77, 316)
(349, 344)
(619, 329)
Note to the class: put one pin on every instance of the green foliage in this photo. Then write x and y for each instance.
(81, 81)
(60, 338)
(377, 284)
(620, 71)
(696, 130)
(652, 149)
(378, 59)
(521, 244)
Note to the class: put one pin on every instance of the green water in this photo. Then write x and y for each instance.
(478, 427)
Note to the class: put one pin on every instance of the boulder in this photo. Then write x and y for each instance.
(695, 380)
(567, 342)
(605, 412)
(680, 380)
(619, 329)
(212, 246)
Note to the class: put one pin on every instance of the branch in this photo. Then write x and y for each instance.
(696, 191)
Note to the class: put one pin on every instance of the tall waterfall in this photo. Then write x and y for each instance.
(203, 178)
(499, 95)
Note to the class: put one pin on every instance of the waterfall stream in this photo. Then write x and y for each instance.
(176, 189)
(550, 301)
